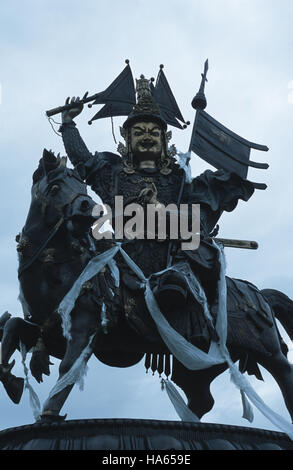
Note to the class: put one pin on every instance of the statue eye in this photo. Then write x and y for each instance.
(54, 190)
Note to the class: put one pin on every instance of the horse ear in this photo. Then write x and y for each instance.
(49, 160)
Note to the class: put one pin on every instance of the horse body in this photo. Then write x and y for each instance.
(55, 249)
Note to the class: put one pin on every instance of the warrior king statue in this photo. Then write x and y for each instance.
(123, 298)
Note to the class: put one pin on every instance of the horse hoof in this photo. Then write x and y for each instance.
(13, 385)
(50, 418)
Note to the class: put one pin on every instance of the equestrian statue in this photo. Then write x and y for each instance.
(126, 295)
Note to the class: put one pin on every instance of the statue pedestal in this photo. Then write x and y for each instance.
(140, 434)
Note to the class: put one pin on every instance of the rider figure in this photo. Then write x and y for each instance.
(148, 172)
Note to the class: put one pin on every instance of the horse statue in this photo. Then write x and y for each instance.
(56, 249)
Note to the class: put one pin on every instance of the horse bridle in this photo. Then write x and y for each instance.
(52, 232)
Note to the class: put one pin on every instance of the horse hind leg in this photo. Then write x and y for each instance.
(196, 386)
(282, 371)
(277, 363)
(83, 327)
(75, 348)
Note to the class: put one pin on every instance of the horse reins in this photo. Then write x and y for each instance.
(52, 232)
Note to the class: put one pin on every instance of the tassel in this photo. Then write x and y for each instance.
(167, 365)
(147, 362)
(154, 363)
(161, 364)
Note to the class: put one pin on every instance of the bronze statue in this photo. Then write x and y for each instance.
(110, 316)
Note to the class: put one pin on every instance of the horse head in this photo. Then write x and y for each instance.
(61, 192)
(58, 199)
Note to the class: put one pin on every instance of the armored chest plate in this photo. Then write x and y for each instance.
(131, 186)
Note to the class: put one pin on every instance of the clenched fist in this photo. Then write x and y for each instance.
(75, 110)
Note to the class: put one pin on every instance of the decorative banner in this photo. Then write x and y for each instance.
(222, 148)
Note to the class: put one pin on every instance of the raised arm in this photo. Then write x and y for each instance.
(75, 147)
(93, 168)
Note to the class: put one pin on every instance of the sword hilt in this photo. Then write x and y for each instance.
(65, 107)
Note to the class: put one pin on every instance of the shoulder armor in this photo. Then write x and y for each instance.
(108, 158)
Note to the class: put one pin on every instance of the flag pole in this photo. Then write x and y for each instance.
(199, 102)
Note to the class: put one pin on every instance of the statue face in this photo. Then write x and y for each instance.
(146, 141)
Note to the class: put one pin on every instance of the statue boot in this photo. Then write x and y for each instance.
(171, 291)
(13, 385)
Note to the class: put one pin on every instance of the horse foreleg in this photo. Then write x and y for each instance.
(17, 330)
(196, 386)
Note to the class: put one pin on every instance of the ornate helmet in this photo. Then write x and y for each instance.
(146, 107)
(153, 103)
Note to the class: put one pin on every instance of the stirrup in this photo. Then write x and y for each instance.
(171, 291)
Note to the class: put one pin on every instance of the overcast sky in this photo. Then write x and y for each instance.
(50, 50)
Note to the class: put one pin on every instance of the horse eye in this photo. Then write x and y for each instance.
(54, 190)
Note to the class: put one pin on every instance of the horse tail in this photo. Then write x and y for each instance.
(282, 307)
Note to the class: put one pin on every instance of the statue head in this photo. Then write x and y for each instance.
(145, 133)
(146, 143)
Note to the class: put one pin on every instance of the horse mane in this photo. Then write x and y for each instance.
(47, 163)
(38, 174)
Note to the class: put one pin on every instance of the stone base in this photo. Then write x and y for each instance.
(140, 434)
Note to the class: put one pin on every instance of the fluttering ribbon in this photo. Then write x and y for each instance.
(33, 397)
